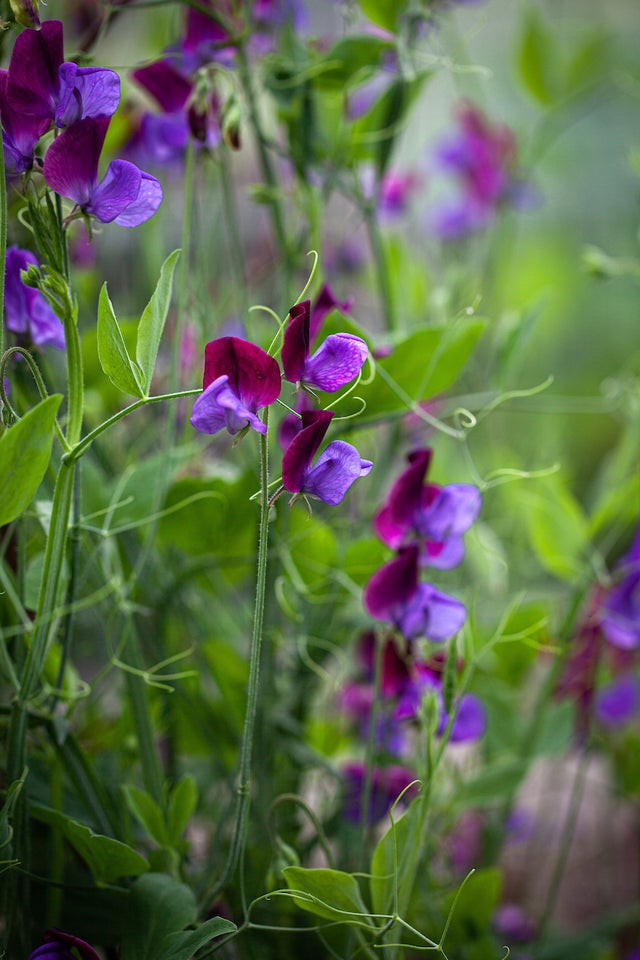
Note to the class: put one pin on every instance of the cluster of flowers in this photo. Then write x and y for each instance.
(240, 378)
(41, 89)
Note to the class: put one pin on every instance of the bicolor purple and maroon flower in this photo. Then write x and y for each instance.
(335, 363)
(337, 467)
(239, 379)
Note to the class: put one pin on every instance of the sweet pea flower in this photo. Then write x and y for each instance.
(239, 379)
(63, 946)
(394, 595)
(337, 467)
(337, 361)
(27, 312)
(618, 702)
(126, 195)
(20, 133)
(41, 84)
(620, 619)
(438, 515)
(386, 786)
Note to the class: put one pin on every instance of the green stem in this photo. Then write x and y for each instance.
(367, 787)
(381, 268)
(236, 250)
(152, 774)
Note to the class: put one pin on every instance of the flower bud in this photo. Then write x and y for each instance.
(26, 13)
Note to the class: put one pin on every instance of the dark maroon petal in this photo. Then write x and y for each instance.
(392, 584)
(71, 162)
(33, 71)
(405, 496)
(254, 376)
(302, 448)
(165, 84)
(295, 348)
(23, 131)
(326, 302)
(84, 949)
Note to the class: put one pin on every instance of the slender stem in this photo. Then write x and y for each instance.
(152, 774)
(381, 268)
(367, 787)
(3, 245)
(236, 250)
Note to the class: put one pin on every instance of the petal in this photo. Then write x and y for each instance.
(470, 720)
(81, 946)
(45, 327)
(393, 584)
(23, 131)
(296, 343)
(617, 703)
(621, 617)
(219, 407)
(116, 191)
(334, 471)
(165, 84)
(326, 301)
(253, 374)
(16, 304)
(33, 71)
(336, 362)
(71, 162)
(430, 614)
(302, 449)
(86, 92)
(443, 555)
(146, 203)
(389, 532)
(449, 511)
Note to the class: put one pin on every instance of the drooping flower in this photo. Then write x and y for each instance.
(41, 84)
(20, 133)
(27, 312)
(438, 515)
(335, 363)
(393, 594)
(126, 195)
(337, 467)
(620, 618)
(63, 946)
(239, 379)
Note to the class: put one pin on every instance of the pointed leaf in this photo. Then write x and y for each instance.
(384, 13)
(148, 813)
(183, 945)
(112, 350)
(182, 803)
(331, 894)
(158, 906)
(25, 449)
(153, 320)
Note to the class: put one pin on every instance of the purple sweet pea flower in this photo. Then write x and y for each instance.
(620, 620)
(618, 702)
(27, 312)
(239, 379)
(126, 195)
(326, 301)
(335, 469)
(20, 133)
(337, 361)
(41, 85)
(438, 515)
(511, 922)
(386, 786)
(417, 609)
(203, 39)
(168, 87)
(59, 946)
(469, 720)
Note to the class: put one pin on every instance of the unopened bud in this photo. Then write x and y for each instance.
(26, 13)
(231, 124)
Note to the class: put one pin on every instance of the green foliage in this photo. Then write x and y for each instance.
(153, 320)
(558, 528)
(331, 894)
(384, 13)
(25, 450)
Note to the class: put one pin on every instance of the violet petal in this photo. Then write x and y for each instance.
(618, 702)
(86, 92)
(116, 191)
(165, 84)
(336, 362)
(145, 204)
(337, 467)
(253, 375)
(431, 614)
(219, 407)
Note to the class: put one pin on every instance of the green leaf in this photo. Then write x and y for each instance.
(157, 907)
(182, 803)
(350, 58)
(373, 136)
(537, 58)
(112, 350)
(558, 529)
(474, 908)
(153, 320)
(421, 366)
(183, 945)
(406, 835)
(108, 859)
(25, 449)
(148, 813)
(385, 13)
(331, 894)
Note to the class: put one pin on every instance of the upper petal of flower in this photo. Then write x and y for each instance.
(145, 204)
(296, 342)
(21, 131)
(392, 585)
(334, 471)
(302, 449)
(404, 499)
(166, 85)
(33, 70)
(86, 92)
(336, 362)
(71, 162)
(253, 375)
(326, 301)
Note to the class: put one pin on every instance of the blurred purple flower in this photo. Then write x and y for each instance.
(386, 786)
(325, 302)
(417, 609)
(337, 360)
(20, 133)
(27, 312)
(438, 515)
(470, 720)
(41, 85)
(203, 41)
(618, 702)
(63, 946)
(239, 379)
(511, 922)
(620, 619)
(337, 467)
(160, 139)
(126, 195)
(168, 87)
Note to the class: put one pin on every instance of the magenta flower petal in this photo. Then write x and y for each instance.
(20, 132)
(33, 70)
(296, 342)
(337, 467)
(86, 92)
(404, 498)
(302, 449)
(392, 585)
(254, 376)
(71, 162)
(431, 614)
(145, 204)
(218, 407)
(326, 301)
(336, 362)
(166, 85)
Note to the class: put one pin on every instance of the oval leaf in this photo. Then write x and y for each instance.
(331, 894)
(25, 450)
(153, 320)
